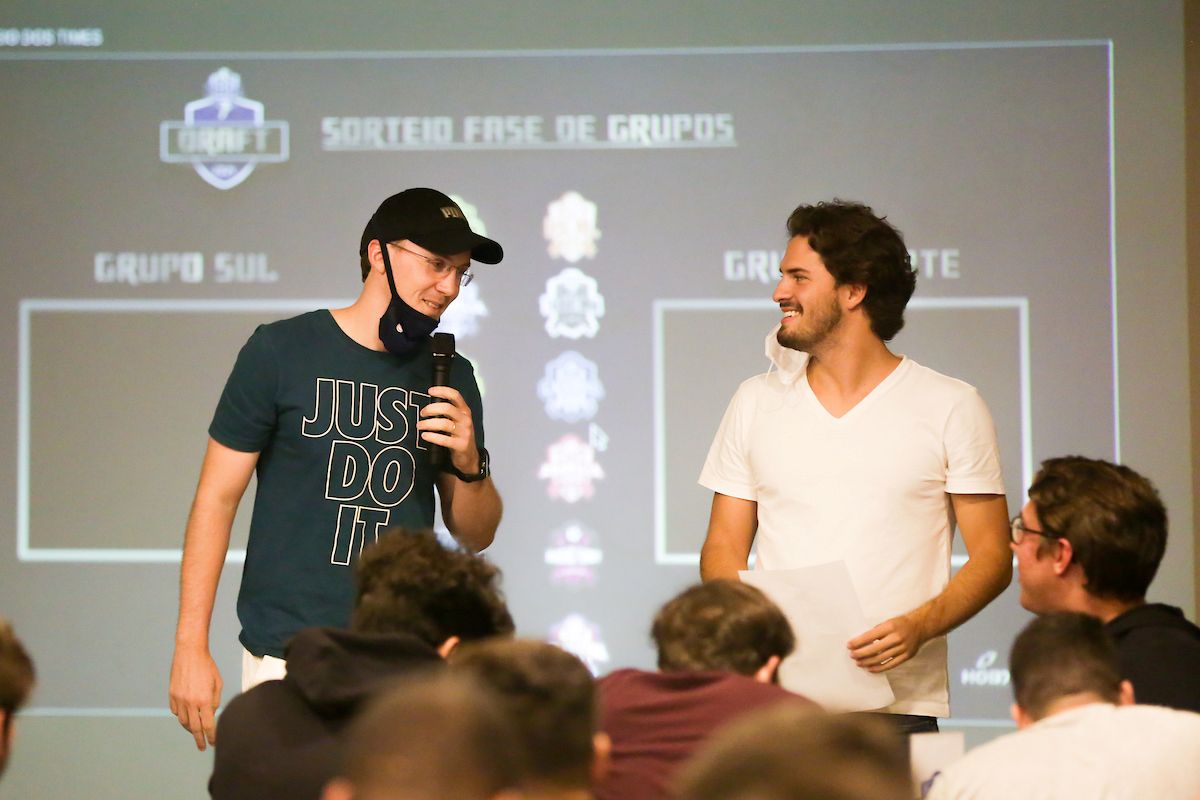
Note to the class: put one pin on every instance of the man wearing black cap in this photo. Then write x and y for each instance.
(335, 413)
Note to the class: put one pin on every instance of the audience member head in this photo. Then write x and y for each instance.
(16, 682)
(1103, 532)
(722, 625)
(408, 581)
(1062, 660)
(796, 753)
(857, 246)
(432, 737)
(550, 698)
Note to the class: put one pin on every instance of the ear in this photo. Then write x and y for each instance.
(766, 673)
(601, 756)
(854, 294)
(1125, 694)
(1019, 716)
(447, 647)
(375, 256)
(338, 789)
(1063, 556)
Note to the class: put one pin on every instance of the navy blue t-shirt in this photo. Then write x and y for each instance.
(334, 424)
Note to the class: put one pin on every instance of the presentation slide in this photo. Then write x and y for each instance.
(161, 207)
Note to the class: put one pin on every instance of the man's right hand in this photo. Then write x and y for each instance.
(195, 693)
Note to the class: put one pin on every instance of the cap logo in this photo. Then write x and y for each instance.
(452, 211)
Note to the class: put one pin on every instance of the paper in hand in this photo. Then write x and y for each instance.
(825, 613)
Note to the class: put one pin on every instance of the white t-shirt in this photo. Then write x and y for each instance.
(1093, 751)
(870, 488)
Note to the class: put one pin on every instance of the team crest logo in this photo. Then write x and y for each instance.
(573, 556)
(571, 388)
(570, 227)
(571, 469)
(572, 305)
(224, 135)
(582, 639)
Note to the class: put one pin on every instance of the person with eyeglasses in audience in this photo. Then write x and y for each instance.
(1090, 539)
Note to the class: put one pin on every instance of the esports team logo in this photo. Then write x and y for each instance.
(571, 388)
(573, 556)
(581, 638)
(571, 468)
(223, 135)
(572, 305)
(984, 673)
(570, 227)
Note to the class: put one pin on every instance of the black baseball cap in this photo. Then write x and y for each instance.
(432, 220)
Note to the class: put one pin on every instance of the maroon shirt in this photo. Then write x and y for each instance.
(656, 720)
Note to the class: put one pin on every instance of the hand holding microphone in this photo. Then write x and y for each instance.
(443, 355)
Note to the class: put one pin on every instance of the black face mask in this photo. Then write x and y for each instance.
(402, 328)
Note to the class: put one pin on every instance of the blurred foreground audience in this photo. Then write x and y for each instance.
(1090, 539)
(415, 601)
(1078, 734)
(16, 683)
(719, 648)
(549, 697)
(791, 752)
(435, 737)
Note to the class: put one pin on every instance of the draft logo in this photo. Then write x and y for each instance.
(223, 135)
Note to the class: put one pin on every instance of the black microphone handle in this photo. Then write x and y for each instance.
(441, 377)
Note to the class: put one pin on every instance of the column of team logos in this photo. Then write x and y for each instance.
(571, 391)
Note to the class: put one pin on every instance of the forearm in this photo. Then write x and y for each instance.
(721, 561)
(976, 584)
(471, 511)
(205, 545)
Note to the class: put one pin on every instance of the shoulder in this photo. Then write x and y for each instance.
(931, 379)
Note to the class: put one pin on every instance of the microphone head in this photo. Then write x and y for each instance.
(443, 345)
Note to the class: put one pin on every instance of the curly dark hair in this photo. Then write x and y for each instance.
(408, 581)
(1113, 518)
(720, 625)
(857, 246)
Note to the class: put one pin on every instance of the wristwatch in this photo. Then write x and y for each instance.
(485, 468)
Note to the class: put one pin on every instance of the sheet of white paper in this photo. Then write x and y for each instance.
(930, 753)
(825, 613)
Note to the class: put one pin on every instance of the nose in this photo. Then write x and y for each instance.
(448, 284)
(779, 296)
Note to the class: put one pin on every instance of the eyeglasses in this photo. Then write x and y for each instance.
(1017, 531)
(440, 266)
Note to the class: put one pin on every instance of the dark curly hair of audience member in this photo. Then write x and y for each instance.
(721, 625)
(409, 581)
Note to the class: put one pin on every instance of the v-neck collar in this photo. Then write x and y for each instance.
(791, 367)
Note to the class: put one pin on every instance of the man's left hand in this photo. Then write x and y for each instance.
(447, 421)
(888, 645)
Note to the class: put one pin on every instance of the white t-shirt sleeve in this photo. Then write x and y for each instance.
(972, 453)
(727, 469)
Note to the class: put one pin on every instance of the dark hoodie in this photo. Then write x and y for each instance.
(281, 739)
(1160, 655)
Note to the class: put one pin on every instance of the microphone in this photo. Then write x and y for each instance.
(443, 354)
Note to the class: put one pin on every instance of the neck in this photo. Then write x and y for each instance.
(1069, 701)
(360, 320)
(851, 364)
(1108, 608)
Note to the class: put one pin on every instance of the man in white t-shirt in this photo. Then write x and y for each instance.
(848, 452)
(1079, 734)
